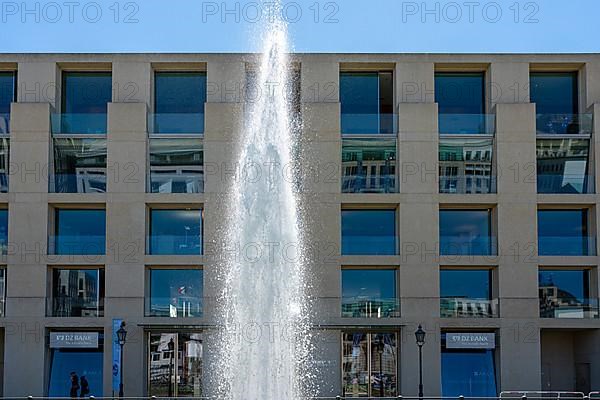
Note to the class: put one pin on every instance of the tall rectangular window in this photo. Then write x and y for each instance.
(176, 165)
(179, 99)
(2, 291)
(466, 232)
(367, 102)
(466, 292)
(77, 293)
(3, 231)
(369, 364)
(4, 163)
(84, 102)
(175, 293)
(562, 166)
(564, 232)
(79, 166)
(8, 94)
(175, 232)
(368, 232)
(79, 232)
(461, 102)
(555, 95)
(369, 293)
(565, 293)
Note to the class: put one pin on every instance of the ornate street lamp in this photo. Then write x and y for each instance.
(420, 337)
(171, 354)
(380, 349)
(122, 338)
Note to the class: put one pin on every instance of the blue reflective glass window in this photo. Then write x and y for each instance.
(470, 373)
(554, 92)
(77, 293)
(466, 232)
(569, 284)
(179, 99)
(462, 96)
(176, 292)
(466, 283)
(7, 96)
(369, 293)
(85, 363)
(3, 231)
(562, 166)
(84, 101)
(175, 232)
(563, 232)
(368, 232)
(367, 102)
(81, 231)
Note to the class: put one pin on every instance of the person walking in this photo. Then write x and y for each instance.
(74, 385)
(85, 386)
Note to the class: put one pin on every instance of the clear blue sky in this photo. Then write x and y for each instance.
(315, 25)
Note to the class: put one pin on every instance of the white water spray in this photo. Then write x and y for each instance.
(265, 337)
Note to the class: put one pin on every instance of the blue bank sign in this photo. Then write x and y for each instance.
(470, 340)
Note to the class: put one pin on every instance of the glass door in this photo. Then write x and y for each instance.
(175, 364)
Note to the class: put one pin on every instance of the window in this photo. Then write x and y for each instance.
(367, 102)
(555, 95)
(77, 293)
(79, 232)
(175, 232)
(176, 166)
(466, 166)
(179, 99)
(565, 293)
(369, 364)
(369, 293)
(175, 364)
(467, 293)
(562, 166)
(175, 293)
(4, 163)
(84, 360)
(8, 94)
(2, 291)
(466, 232)
(79, 166)
(563, 232)
(461, 103)
(468, 372)
(369, 166)
(368, 232)
(3, 231)
(84, 102)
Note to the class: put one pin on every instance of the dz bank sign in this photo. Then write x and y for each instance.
(470, 340)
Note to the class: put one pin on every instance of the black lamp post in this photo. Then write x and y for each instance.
(121, 337)
(420, 336)
(380, 348)
(171, 351)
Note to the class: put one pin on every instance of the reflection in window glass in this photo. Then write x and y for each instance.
(566, 294)
(368, 232)
(3, 231)
(461, 102)
(369, 166)
(4, 164)
(179, 99)
(562, 166)
(369, 293)
(367, 102)
(2, 290)
(79, 166)
(175, 293)
(466, 232)
(175, 232)
(176, 166)
(564, 232)
(470, 373)
(466, 166)
(77, 293)
(175, 364)
(84, 101)
(555, 97)
(466, 293)
(7, 96)
(87, 363)
(79, 232)
(369, 364)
